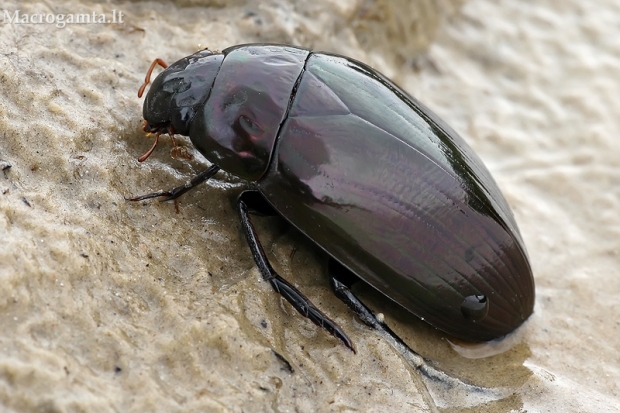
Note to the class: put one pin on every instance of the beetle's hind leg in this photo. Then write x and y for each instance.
(252, 202)
(341, 281)
(434, 383)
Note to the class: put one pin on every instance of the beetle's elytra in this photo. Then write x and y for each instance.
(393, 195)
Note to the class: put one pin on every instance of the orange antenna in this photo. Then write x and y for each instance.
(147, 79)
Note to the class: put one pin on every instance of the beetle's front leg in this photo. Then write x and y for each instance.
(176, 192)
(253, 202)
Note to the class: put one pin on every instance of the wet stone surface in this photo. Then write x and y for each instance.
(107, 305)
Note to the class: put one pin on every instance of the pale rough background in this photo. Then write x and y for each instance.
(107, 306)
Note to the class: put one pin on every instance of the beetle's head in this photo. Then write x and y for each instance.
(177, 93)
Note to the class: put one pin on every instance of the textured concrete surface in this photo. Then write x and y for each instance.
(113, 306)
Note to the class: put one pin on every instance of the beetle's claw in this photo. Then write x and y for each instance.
(167, 194)
(347, 342)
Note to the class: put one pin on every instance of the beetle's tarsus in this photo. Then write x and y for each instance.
(146, 196)
(176, 192)
(300, 302)
(305, 307)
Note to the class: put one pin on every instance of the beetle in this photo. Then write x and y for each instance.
(390, 192)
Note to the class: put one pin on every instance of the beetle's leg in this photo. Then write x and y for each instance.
(341, 281)
(435, 383)
(253, 202)
(174, 193)
(147, 79)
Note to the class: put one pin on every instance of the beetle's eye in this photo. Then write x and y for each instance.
(475, 307)
(250, 127)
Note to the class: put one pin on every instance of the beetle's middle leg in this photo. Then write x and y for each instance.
(252, 202)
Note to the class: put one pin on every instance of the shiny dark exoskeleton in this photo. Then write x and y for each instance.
(370, 175)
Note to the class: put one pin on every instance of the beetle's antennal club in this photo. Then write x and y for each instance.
(147, 79)
(177, 150)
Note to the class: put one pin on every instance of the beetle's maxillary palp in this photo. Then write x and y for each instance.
(150, 151)
(177, 150)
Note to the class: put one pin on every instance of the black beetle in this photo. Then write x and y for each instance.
(369, 174)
